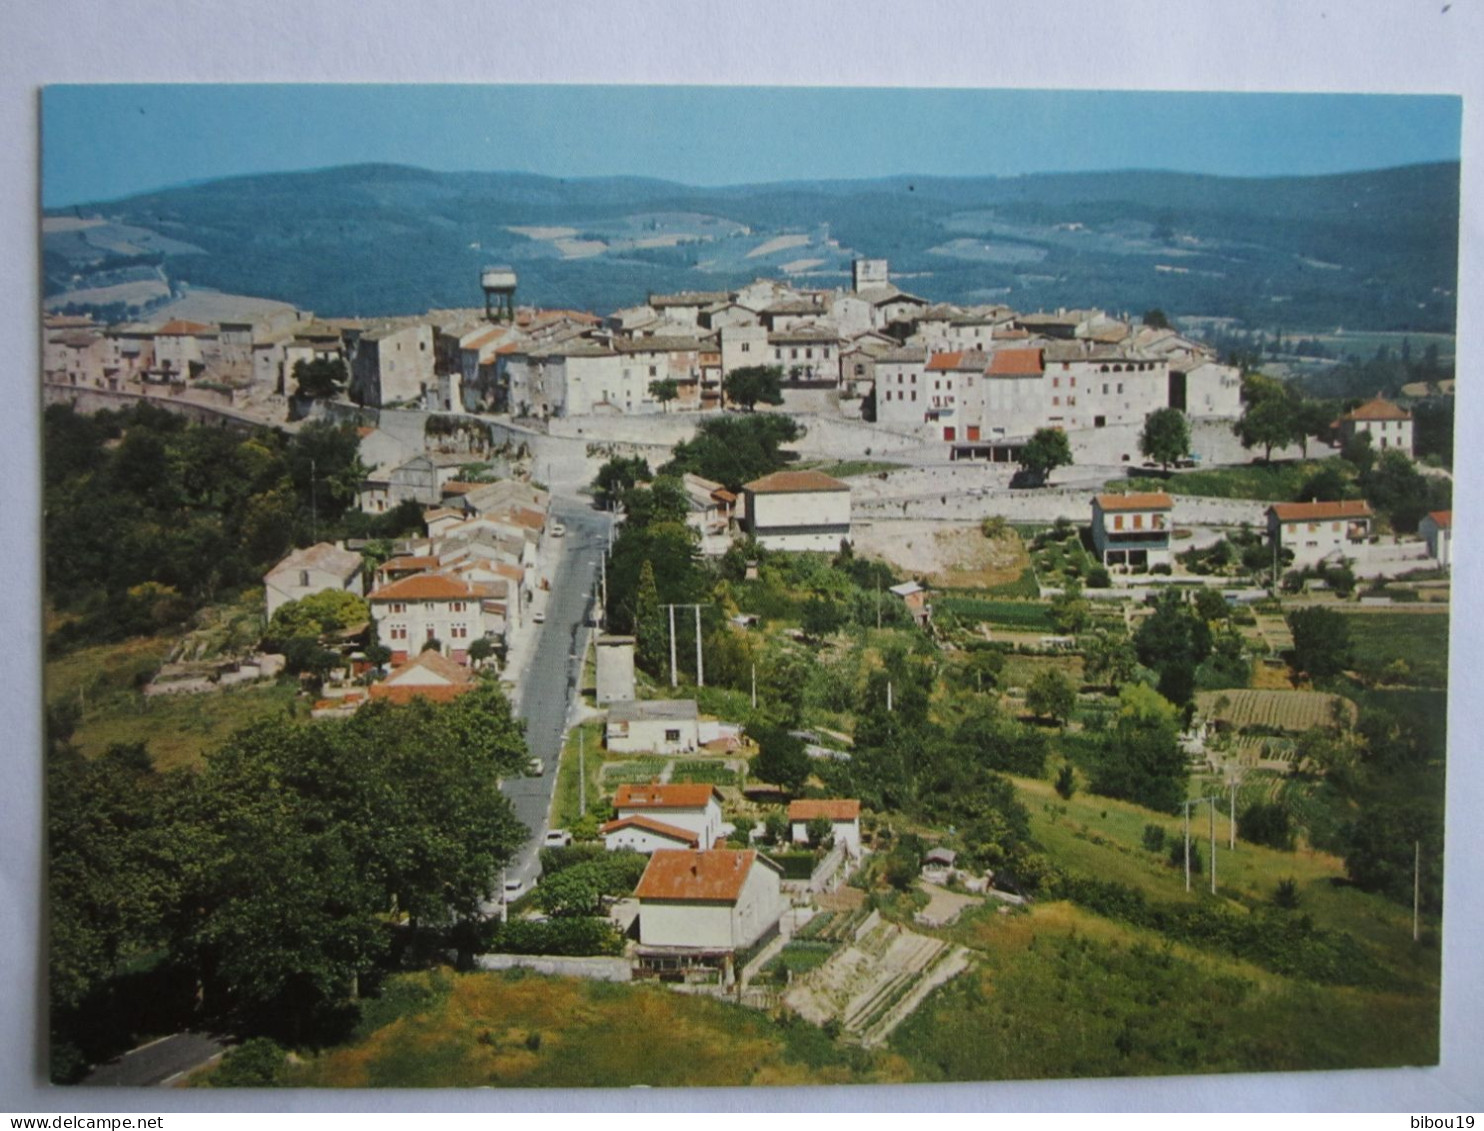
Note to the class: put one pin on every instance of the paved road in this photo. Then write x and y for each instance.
(549, 684)
(156, 1063)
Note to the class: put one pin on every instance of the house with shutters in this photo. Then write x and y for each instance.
(312, 570)
(429, 675)
(433, 606)
(1389, 426)
(697, 908)
(1133, 531)
(1316, 531)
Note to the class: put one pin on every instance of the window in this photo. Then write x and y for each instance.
(936, 385)
(1056, 401)
(1120, 387)
(1335, 526)
(432, 634)
(304, 579)
(793, 354)
(456, 606)
(398, 607)
(1105, 385)
(1118, 522)
(1138, 522)
(1056, 382)
(1074, 382)
(914, 378)
(459, 632)
(672, 735)
(746, 347)
(914, 394)
(654, 371)
(398, 632)
(808, 353)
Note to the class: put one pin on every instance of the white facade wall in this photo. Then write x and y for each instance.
(1151, 528)
(806, 360)
(850, 315)
(800, 521)
(715, 926)
(899, 401)
(1214, 390)
(639, 840)
(405, 627)
(1386, 435)
(591, 381)
(705, 822)
(1007, 407)
(1439, 540)
(847, 833)
(1312, 542)
(395, 367)
(287, 585)
(661, 736)
(1095, 392)
(744, 346)
(176, 352)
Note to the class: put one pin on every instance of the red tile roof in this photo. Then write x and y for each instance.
(713, 876)
(409, 563)
(1015, 363)
(1444, 519)
(794, 482)
(1315, 512)
(945, 361)
(177, 327)
(1147, 501)
(649, 824)
(1378, 408)
(836, 809)
(425, 587)
(664, 796)
(436, 693)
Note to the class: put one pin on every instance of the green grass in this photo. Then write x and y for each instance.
(1023, 615)
(708, 772)
(1277, 481)
(566, 807)
(843, 469)
(632, 771)
(1421, 642)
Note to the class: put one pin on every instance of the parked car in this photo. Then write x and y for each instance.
(557, 530)
(536, 767)
(514, 889)
(557, 838)
(538, 617)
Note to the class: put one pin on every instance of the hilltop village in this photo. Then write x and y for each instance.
(814, 652)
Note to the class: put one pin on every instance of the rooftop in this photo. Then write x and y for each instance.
(1316, 512)
(1378, 408)
(1016, 363)
(713, 876)
(322, 555)
(654, 796)
(635, 709)
(425, 587)
(794, 482)
(1140, 501)
(649, 824)
(834, 809)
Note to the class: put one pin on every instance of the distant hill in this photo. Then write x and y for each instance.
(1376, 249)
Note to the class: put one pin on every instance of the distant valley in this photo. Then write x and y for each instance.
(1376, 249)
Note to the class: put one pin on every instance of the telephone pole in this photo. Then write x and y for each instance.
(673, 678)
(754, 686)
(581, 773)
(1212, 811)
(700, 670)
(1416, 891)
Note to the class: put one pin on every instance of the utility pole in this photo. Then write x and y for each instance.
(1212, 811)
(878, 602)
(313, 501)
(888, 695)
(673, 678)
(504, 899)
(1233, 824)
(700, 670)
(1187, 846)
(581, 773)
(754, 687)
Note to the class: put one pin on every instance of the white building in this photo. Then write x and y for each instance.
(431, 606)
(313, 570)
(645, 835)
(899, 383)
(1010, 400)
(1436, 529)
(1315, 531)
(798, 510)
(719, 900)
(392, 365)
(694, 808)
(615, 669)
(1133, 530)
(660, 726)
(1211, 390)
(844, 816)
(1389, 426)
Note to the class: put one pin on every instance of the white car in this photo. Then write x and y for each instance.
(557, 838)
(538, 617)
(514, 889)
(557, 530)
(536, 766)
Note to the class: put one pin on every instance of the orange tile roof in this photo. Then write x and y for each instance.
(836, 809)
(437, 693)
(458, 487)
(177, 327)
(1015, 363)
(664, 796)
(945, 361)
(435, 662)
(1146, 501)
(792, 482)
(714, 876)
(424, 587)
(1377, 408)
(649, 824)
(1443, 518)
(1314, 512)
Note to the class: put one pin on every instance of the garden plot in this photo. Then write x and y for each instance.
(1290, 712)
(872, 984)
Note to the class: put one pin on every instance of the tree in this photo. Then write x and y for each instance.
(322, 377)
(1358, 452)
(1051, 695)
(820, 832)
(1210, 605)
(1156, 319)
(1321, 641)
(735, 449)
(330, 610)
(665, 390)
(1066, 781)
(1312, 420)
(1327, 485)
(618, 476)
(1166, 436)
(483, 648)
(1069, 611)
(1047, 450)
(1267, 421)
(1109, 656)
(1267, 823)
(1141, 760)
(754, 384)
(1173, 641)
(821, 616)
(781, 759)
(649, 623)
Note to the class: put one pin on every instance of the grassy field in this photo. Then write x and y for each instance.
(566, 807)
(843, 469)
(1025, 615)
(1421, 642)
(179, 729)
(518, 1030)
(1280, 480)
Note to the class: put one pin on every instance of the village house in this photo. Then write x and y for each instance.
(312, 570)
(914, 597)
(392, 364)
(659, 726)
(1316, 531)
(1010, 400)
(1133, 530)
(712, 511)
(614, 679)
(1436, 529)
(798, 510)
(694, 808)
(899, 380)
(698, 908)
(1389, 426)
(844, 816)
(808, 354)
(947, 380)
(645, 835)
(429, 675)
(432, 607)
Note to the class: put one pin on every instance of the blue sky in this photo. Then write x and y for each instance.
(105, 142)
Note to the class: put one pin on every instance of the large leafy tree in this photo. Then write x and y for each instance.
(1269, 419)
(780, 759)
(1166, 436)
(322, 377)
(1051, 695)
(1321, 641)
(754, 384)
(1173, 641)
(736, 449)
(1141, 760)
(1046, 450)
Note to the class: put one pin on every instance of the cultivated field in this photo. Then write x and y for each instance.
(1293, 711)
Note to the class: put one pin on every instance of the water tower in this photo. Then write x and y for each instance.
(499, 293)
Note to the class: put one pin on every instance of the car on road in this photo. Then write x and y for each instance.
(536, 766)
(514, 889)
(538, 617)
(557, 530)
(556, 838)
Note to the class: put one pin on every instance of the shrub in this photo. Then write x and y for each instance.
(1266, 823)
(1286, 895)
(258, 1063)
(1066, 782)
(1099, 578)
(1177, 854)
(1154, 838)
